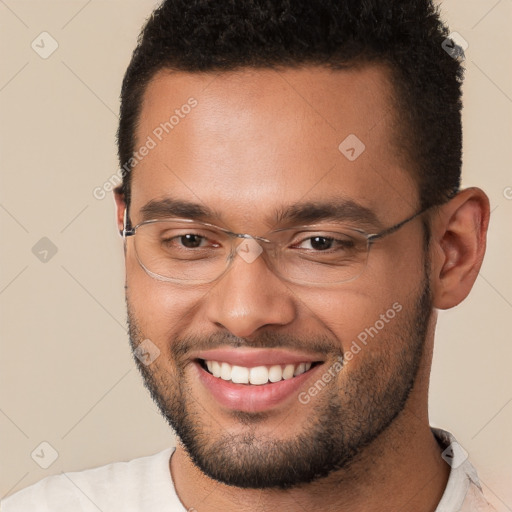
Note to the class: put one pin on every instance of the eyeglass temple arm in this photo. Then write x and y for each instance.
(126, 231)
(396, 227)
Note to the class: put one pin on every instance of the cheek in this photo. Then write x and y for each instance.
(162, 310)
(354, 315)
(367, 316)
(395, 269)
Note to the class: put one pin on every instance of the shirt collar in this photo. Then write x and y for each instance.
(462, 472)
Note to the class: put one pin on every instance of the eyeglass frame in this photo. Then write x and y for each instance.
(370, 237)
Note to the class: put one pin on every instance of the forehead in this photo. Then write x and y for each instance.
(248, 142)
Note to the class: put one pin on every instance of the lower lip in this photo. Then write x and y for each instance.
(252, 398)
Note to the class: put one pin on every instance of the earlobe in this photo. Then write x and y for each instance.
(458, 246)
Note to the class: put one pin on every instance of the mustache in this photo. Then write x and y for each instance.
(181, 347)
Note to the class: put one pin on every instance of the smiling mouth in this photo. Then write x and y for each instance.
(256, 375)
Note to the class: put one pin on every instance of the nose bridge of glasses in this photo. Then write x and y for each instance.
(250, 249)
(251, 237)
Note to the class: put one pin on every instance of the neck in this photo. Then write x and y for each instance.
(401, 470)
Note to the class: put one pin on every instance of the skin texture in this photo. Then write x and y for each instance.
(256, 141)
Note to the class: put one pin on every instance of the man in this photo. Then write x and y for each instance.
(292, 221)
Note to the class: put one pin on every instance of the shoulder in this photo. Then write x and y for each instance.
(92, 489)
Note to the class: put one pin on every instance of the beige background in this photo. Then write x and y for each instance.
(66, 373)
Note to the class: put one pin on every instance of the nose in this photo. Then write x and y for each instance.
(250, 296)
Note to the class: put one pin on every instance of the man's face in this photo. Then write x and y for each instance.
(256, 143)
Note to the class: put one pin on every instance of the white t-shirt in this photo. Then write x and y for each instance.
(145, 484)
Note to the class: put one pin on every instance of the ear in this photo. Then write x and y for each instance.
(458, 243)
(120, 207)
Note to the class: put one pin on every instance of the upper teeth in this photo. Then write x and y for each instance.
(258, 374)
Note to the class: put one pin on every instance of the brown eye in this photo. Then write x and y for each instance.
(191, 241)
(325, 243)
(321, 243)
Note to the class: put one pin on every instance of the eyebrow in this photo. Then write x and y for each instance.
(169, 207)
(338, 210)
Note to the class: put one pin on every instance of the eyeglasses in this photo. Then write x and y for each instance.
(186, 251)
